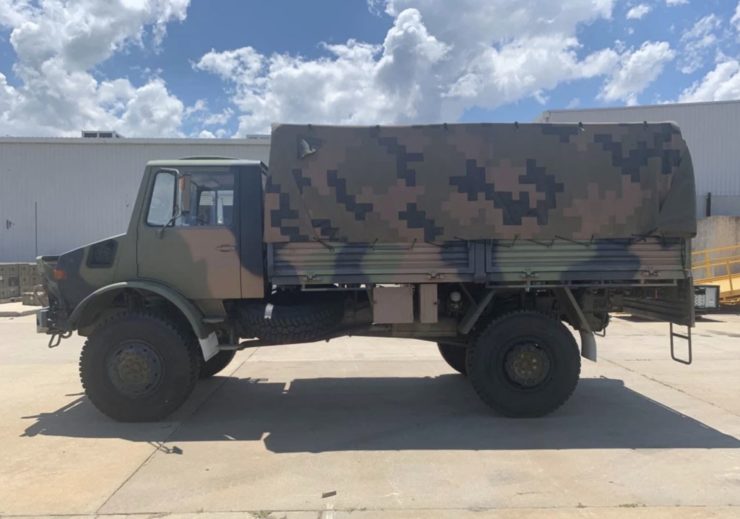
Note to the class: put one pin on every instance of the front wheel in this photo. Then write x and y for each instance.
(139, 367)
(524, 364)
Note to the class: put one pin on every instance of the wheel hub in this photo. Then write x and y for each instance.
(527, 365)
(135, 369)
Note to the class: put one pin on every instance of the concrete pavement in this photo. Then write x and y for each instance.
(17, 309)
(363, 427)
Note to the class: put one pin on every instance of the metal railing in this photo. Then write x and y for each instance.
(719, 266)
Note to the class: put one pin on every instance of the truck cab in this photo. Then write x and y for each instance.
(186, 234)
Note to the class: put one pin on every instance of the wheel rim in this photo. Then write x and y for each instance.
(527, 365)
(135, 369)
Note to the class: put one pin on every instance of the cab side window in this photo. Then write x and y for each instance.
(192, 198)
(211, 199)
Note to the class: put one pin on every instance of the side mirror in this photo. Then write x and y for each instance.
(184, 190)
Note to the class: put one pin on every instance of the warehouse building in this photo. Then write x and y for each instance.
(712, 132)
(58, 194)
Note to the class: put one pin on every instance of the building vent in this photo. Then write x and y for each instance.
(257, 137)
(101, 135)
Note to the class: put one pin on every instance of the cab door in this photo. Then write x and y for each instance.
(187, 238)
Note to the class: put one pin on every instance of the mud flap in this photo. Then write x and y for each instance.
(588, 345)
(588, 340)
(209, 346)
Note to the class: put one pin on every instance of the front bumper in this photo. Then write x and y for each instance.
(42, 321)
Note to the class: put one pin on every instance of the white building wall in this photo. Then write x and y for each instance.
(84, 189)
(711, 130)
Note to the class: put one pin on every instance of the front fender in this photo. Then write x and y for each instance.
(189, 310)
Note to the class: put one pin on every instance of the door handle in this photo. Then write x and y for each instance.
(225, 247)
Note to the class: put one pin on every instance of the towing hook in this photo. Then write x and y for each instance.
(56, 338)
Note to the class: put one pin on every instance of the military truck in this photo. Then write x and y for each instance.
(490, 240)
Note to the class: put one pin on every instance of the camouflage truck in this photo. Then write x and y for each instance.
(486, 239)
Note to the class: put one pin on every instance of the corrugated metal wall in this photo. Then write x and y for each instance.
(84, 188)
(711, 130)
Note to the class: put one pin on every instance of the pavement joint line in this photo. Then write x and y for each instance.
(157, 447)
(669, 386)
(625, 506)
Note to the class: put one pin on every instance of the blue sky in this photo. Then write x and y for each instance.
(229, 67)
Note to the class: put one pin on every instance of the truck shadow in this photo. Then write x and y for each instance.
(367, 414)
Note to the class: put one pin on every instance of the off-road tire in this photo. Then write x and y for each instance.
(489, 364)
(178, 356)
(292, 323)
(216, 363)
(454, 355)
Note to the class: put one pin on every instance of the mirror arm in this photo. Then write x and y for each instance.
(172, 220)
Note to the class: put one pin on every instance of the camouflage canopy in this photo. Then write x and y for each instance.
(478, 181)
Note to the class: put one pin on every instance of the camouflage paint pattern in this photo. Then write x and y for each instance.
(444, 183)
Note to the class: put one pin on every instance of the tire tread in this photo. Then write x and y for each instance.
(535, 410)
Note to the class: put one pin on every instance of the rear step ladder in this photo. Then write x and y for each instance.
(687, 338)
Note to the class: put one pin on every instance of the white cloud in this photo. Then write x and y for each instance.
(8, 98)
(497, 21)
(704, 27)
(199, 107)
(437, 59)
(221, 133)
(673, 3)
(636, 71)
(735, 21)
(720, 84)
(242, 65)
(58, 42)
(219, 119)
(152, 111)
(697, 41)
(522, 69)
(357, 83)
(638, 11)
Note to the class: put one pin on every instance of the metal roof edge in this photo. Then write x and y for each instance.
(638, 107)
(137, 141)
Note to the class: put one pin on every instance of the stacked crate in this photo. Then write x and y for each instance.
(18, 280)
(9, 281)
(30, 277)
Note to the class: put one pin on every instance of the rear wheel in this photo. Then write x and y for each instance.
(216, 363)
(524, 364)
(138, 367)
(454, 355)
